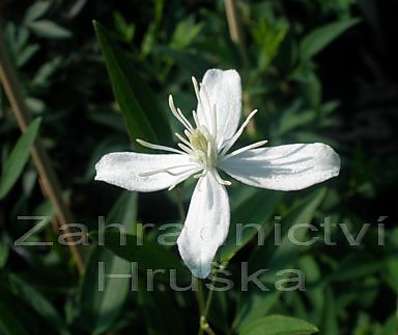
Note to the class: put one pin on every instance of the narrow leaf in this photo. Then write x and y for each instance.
(254, 305)
(49, 29)
(143, 117)
(146, 253)
(282, 252)
(279, 325)
(39, 303)
(300, 215)
(247, 218)
(103, 297)
(37, 10)
(19, 156)
(318, 39)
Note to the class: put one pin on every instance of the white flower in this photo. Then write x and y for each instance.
(203, 151)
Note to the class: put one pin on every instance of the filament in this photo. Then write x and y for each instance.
(178, 114)
(158, 147)
(235, 137)
(246, 148)
(183, 140)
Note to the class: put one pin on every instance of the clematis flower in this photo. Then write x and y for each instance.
(204, 150)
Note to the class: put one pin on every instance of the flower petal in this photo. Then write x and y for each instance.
(221, 92)
(285, 167)
(206, 225)
(144, 172)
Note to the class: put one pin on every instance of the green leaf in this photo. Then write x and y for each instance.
(4, 251)
(256, 210)
(391, 273)
(279, 325)
(319, 38)
(124, 212)
(185, 33)
(278, 256)
(160, 311)
(391, 326)
(254, 305)
(142, 114)
(189, 61)
(39, 303)
(18, 158)
(26, 54)
(330, 324)
(302, 214)
(37, 10)
(49, 29)
(146, 253)
(125, 30)
(102, 296)
(355, 266)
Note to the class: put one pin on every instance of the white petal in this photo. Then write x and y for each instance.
(285, 167)
(130, 170)
(224, 92)
(206, 225)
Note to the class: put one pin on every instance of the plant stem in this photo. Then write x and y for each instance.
(204, 325)
(234, 27)
(198, 288)
(48, 178)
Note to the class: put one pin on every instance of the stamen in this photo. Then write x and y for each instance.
(184, 118)
(199, 175)
(200, 102)
(183, 140)
(246, 148)
(172, 187)
(177, 115)
(196, 88)
(222, 181)
(185, 148)
(158, 147)
(195, 117)
(187, 133)
(235, 137)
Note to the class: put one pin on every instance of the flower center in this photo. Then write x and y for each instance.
(203, 147)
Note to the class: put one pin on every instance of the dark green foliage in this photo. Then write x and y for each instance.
(317, 70)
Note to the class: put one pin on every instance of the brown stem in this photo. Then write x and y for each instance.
(48, 178)
(234, 27)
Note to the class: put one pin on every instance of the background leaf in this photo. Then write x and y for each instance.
(278, 325)
(49, 29)
(19, 156)
(103, 295)
(147, 253)
(39, 303)
(36, 10)
(133, 96)
(252, 213)
(319, 38)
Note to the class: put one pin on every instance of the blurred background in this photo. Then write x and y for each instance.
(317, 70)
